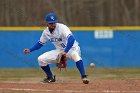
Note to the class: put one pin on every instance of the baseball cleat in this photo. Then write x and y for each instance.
(49, 80)
(85, 79)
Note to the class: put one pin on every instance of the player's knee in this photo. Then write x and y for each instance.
(39, 59)
(41, 62)
(76, 57)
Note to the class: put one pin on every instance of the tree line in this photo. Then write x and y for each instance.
(70, 12)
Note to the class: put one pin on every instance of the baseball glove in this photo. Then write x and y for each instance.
(61, 61)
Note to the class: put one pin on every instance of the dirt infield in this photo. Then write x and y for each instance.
(73, 86)
(102, 80)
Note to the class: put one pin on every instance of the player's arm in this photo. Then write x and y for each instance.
(62, 60)
(37, 46)
(70, 42)
(70, 38)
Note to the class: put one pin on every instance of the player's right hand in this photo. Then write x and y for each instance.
(26, 51)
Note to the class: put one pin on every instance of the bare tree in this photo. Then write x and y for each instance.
(70, 12)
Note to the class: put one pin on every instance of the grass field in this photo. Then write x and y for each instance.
(72, 73)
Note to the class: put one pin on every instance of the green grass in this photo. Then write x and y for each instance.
(72, 73)
(116, 73)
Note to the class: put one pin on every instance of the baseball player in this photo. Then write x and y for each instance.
(65, 43)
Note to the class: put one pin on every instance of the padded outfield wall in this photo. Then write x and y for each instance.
(105, 46)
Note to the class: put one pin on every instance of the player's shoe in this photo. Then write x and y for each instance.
(85, 79)
(49, 80)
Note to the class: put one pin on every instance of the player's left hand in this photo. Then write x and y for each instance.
(63, 57)
(62, 61)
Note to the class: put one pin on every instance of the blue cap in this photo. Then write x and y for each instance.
(51, 18)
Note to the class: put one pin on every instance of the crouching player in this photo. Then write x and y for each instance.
(65, 43)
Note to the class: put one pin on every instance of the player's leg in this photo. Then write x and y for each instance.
(79, 63)
(44, 60)
(80, 66)
(74, 54)
(50, 77)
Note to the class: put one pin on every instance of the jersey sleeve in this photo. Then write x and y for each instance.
(66, 32)
(70, 43)
(43, 38)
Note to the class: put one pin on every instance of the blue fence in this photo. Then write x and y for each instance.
(122, 50)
